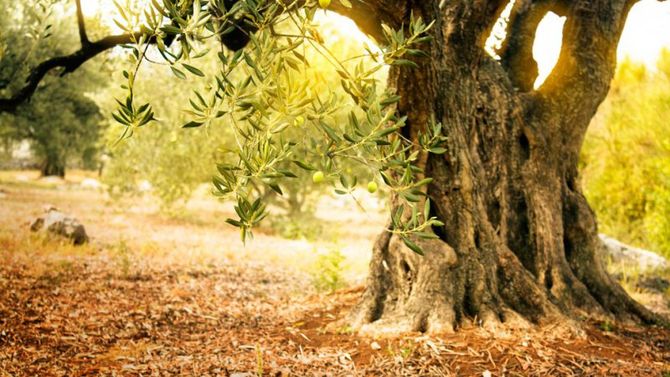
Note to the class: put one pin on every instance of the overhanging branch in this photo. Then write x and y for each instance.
(69, 63)
(367, 14)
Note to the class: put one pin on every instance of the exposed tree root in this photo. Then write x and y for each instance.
(485, 284)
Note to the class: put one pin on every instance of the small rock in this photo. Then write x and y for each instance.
(56, 222)
(621, 253)
(375, 346)
(284, 372)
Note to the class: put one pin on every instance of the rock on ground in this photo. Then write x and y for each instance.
(56, 222)
(619, 252)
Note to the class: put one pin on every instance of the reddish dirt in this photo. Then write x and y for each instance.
(620, 351)
(168, 302)
(80, 317)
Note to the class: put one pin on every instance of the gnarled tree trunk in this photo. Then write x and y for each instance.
(520, 242)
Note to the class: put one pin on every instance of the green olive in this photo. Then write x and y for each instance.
(372, 187)
(318, 177)
(324, 3)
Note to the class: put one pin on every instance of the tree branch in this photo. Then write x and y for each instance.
(367, 14)
(69, 63)
(469, 23)
(580, 80)
(81, 25)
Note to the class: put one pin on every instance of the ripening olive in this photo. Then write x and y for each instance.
(318, 177)
(372, 187)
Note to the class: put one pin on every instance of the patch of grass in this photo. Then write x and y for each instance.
(645, 286)
(665, 274)
(54, 274)
(404, 349)
(26, 244)
(346, 330)
(122, 253)
(150, 249)
(630, 276)
(327, 275)
(186, 217)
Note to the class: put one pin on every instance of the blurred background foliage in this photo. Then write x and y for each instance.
(175, 161)
(626, 157)
(62, 123)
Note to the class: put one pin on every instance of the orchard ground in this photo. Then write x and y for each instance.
(157, 294)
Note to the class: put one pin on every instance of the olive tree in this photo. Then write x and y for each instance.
(62, 123)
(488, 220)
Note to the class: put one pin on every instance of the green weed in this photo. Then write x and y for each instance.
(327, 274)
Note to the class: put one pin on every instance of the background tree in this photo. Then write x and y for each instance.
(507, 235)
(173, 161)
(61, 122)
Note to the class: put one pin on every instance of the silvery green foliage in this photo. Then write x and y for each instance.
(259, 94)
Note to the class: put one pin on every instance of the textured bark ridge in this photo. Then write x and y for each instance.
(520, 244)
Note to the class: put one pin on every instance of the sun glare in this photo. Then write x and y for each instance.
(336, 29)
(646, 32)
(341, 27)
(93, 8)
(105, 10)
(547, 46)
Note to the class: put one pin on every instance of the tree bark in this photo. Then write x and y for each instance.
(53, 165)
(520, 244)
